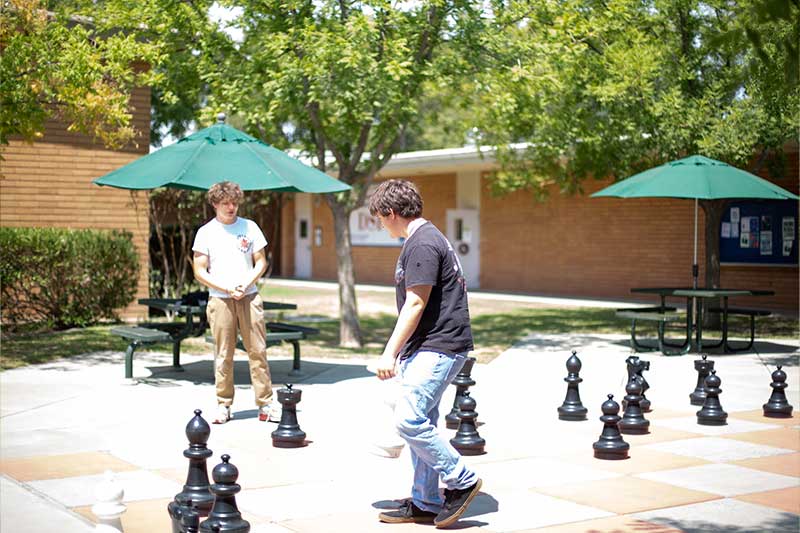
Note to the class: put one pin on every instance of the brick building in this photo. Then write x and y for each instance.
(572, 246)
(48, 183)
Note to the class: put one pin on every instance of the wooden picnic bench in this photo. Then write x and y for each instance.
(663, 315)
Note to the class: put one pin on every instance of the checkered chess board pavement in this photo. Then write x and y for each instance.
(539, 472)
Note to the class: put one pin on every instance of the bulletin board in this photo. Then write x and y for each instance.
(761, 232)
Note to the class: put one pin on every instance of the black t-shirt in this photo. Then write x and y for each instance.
(429, 259)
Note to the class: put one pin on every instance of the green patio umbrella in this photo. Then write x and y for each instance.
(219, 153)
(699, 178)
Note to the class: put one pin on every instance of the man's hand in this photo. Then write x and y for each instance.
(237, 293)
(385, 367)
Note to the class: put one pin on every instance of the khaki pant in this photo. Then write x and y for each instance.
(226, 316)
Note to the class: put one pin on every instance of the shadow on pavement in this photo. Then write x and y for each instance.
(785, 523)
(311, 372)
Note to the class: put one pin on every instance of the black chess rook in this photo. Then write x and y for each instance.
(572, 408)
(289, 434)
(462, 381)
(610, 446)
(225, 515)
(703, 366)
(467, 439)
(712, 414)
(633, 421)
(195, 494)
(778, 406)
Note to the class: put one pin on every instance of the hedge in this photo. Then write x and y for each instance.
(63, 278)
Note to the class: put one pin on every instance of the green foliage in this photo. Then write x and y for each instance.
(54, 64)
(609, 88)
(63, 278)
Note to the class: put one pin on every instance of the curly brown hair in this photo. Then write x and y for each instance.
(224, 190)
(398, 196)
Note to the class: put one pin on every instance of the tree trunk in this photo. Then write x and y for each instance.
(713, 210)
(349, 328)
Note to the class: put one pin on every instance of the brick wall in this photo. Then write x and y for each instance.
(48, 184)
(375, 264)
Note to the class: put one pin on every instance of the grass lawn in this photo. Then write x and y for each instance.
(496, 325)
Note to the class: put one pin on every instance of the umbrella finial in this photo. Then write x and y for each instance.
(221, 118)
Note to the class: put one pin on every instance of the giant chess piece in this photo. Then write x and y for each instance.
(712, 414)
(225, 516)
(636, 367)
(462, 381)
(190, 521)
(289, 434)
(704, 367)
(109, 506)
(778, 406)
(467, 440)
(572, 408)
(195, 494)
(633, 421)
(611, 445)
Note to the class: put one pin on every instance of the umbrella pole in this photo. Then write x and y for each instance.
(695, 269)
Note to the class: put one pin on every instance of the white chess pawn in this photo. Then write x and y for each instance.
(109, 506)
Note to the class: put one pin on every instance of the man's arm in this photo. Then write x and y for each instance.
(407, 322)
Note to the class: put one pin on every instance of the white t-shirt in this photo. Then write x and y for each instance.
(229, 248)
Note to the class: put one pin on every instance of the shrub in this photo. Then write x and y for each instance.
(63, 278)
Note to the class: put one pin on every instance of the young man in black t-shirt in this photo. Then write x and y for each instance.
(427, 348)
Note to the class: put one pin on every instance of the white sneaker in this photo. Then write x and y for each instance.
(223, 414)
(270, 412)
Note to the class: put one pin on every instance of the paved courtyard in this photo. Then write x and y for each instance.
(65, 423)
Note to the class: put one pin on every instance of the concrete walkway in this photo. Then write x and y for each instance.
(64, 423)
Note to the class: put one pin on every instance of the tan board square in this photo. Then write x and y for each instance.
(143, 516)
(641, 460)
(786, 465)
(613, 524)
(661, 413)
(659, 434)
(63, 466)
(368, 523)
(784, 499)
(787, 438)
(758, 416)
(626, 495)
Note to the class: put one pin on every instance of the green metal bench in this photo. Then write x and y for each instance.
(740, 311)
(142, 336)
(663, 315)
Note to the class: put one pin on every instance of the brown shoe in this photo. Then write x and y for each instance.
(456, 502)
(407, 513)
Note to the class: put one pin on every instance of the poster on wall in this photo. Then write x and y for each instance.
(744, 240)
(366, 230)
(787, 224)
(725, 232)
(766, 242)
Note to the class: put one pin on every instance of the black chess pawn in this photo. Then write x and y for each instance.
(636, 367)
(224, 515)
(462, 381)
(633, 421)
(704, 367)
(611, 445)
(289, 434)
(572, 408)
(778, 406)
(712, 414)
(467, 440)
(195, 494)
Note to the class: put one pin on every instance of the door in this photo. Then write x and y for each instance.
(463, 232)
(302, 235)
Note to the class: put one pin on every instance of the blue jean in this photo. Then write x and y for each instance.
(424, 377)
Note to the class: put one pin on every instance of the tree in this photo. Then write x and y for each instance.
(341, 80)
(610, 88)
(56, 64)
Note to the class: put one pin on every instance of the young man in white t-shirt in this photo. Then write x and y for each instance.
(229, 257)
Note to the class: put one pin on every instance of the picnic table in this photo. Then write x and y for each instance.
(176, 331)
(694, 316)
